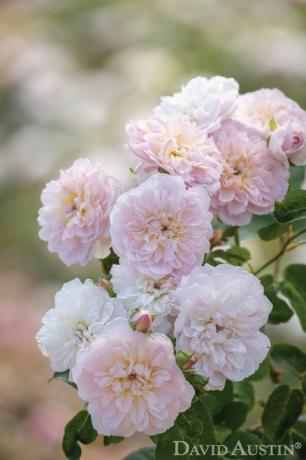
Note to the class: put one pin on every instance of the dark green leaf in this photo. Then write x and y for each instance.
(297, 301)
(304, 386)
(298, 433)
(297, 175)
(261, 373)
(146, 453)
(272, 231)
(78, 429)
(233, 414)
(282, 411)
(108, 440)
(235, 255)
(244, 392)
(215, 400)
(244, 438)
(292, 207)
(109, 261)
(290, 355)
(296, 274)
(64, 376)
(281, 313)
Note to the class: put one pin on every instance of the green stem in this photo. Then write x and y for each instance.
(283, 249)
(236, 236)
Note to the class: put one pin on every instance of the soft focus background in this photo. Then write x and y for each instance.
(72, 73)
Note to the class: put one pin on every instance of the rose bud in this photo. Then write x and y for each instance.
(141, 321)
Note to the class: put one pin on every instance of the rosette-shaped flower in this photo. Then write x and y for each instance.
(80, 313)
(128, 379)
(205, 101)
(136, 290)
(222, 311)
(281, 118)
(252, 178)
(178, 147)
(74, 217)
(160, 228)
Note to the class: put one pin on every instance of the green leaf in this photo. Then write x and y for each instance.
(296, 274)
(272, 231)
(261, 373)
(64, 376)
(235, 255)
(146, 453)
(215, 400)
(108, 440)
(79, 429)
(304, 386)
(297, 301)
(244, 392)
(244, 438)
(290, 355)
(281, 313)
(282, 411)
(298, 433)
(109, 261)
(195, 426)
(233, 414)
(292, 207)
(297, 175)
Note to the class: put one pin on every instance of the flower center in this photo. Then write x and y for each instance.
(83, 332)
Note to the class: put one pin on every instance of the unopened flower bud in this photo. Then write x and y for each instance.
(141, 321)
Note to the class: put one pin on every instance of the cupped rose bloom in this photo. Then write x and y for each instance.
(160, 227)
(128, 379)
(252, 179)
(221, 312)
(205, 101)
(281, 118)
(178, 147)
(80, 313)
(136, 290)
(74, 218)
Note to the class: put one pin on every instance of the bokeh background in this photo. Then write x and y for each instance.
(72, 73)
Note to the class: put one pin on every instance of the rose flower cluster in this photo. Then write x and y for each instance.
(205, 152)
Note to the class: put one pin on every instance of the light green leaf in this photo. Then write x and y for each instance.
(296, 274)
(146, 453)
(273, 231)
(235, 255)
(64, 376)
(261, 373)
(282, 410)
(292, 207)
(79, 429)
(297, 301)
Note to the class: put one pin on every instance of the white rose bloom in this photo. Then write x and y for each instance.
(222, 311)
(80, 313)
(136, 290)
(205, 101)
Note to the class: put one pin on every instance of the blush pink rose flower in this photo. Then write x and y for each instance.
(128, 379)
(207, 102)
(252, 179)
(178, 147)
(281, 118)
(160, 227)
(74, 218)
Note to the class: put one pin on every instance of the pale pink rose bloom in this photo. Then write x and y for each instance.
(162, 228)
(74, 218)
(205, 101)
(222, 310)
(252, 179)
(128, 378)
(281, 118)
(178, 147)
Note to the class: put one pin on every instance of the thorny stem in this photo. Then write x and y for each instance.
(286, 247)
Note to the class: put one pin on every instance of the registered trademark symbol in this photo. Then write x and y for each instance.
(298, 445)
